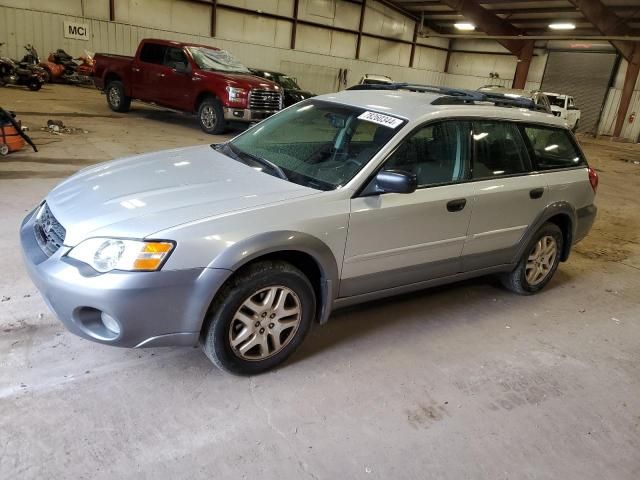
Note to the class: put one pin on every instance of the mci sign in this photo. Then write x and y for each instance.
(77, 31)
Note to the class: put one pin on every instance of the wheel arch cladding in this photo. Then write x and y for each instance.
(561, 214)
(306, 252)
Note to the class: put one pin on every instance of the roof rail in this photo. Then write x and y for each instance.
(456, 96)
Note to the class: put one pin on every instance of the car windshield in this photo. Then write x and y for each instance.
(219, 60)
(287, 82)
(556, 101)
(317, 144)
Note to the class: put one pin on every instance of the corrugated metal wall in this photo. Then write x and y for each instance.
(630, 131)
(585, 76)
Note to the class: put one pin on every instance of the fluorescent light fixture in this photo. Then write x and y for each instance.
(464, 26)
(562, 26)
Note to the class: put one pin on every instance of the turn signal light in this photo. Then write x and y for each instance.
(152, 255)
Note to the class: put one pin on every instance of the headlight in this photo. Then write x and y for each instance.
(106, 254)
(237, 94)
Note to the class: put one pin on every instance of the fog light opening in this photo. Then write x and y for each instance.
(110, 323)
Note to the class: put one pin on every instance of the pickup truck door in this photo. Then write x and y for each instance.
(148, 70)
(176, 89)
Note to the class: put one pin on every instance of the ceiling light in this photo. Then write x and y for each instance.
(562, 26)
(464, 26)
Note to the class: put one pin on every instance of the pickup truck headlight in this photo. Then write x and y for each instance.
(237, 95)
(106, 254)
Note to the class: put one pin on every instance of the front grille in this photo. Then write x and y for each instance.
(49, 233)
(265, 100)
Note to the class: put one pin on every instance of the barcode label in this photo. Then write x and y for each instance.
(381, 119)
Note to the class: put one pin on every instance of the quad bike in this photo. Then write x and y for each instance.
(16, 73)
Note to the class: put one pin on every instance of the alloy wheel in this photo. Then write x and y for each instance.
(265, 323)
(114, 97)
(541, 260)
(208, 117)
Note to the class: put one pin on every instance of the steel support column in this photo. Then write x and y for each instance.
(294, 26)
(214, 15)
(630, 79)
(112, 10)
(522, 68)
(360, 25)
(413, 44)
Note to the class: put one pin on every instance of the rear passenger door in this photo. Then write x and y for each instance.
(508, 196)
(398, 239)
(148, 72)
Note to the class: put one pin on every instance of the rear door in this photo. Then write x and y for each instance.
(508, 195)
(398, 239)
(148, 71)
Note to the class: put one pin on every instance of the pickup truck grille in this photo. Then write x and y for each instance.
(49, 233)
(265, 100)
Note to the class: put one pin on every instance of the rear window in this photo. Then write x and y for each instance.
(553, 148)
(498, 150)
(152, 53)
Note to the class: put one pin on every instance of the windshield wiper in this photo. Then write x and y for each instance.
(262, 161)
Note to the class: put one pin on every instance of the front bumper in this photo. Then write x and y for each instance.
(151, 308)
(246, 115)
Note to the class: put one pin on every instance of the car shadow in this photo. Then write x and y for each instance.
(172, 117)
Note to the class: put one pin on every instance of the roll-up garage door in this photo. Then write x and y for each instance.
(585, 76)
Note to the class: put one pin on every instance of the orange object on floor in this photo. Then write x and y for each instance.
(10, 137)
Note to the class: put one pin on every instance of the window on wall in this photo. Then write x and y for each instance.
(553, 148)
(437, 153)
(498, 150)
(153, 53)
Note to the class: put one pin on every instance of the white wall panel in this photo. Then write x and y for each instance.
(173, 15)
(279, 7)
(382, 20)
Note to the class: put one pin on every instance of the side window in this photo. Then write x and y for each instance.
(498, 149)
(571, 102)
(437, 153)
(153, 53)
(553, 148)
(174, 57)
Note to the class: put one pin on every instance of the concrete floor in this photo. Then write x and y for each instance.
(467, 381)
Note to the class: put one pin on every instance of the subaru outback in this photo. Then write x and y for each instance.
(344, 198)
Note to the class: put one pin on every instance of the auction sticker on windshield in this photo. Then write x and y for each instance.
(381, 119)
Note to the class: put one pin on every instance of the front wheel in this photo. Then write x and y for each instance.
(116, 98)
(259, 319)
(539, 262)
(34, 85)
(211, 117)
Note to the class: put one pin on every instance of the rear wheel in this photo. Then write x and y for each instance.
(539, 262)
(116, 98)
(259, 319)
(211, 116)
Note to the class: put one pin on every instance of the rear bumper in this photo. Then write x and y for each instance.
(246, 115)
(151, 308)
(585, 217)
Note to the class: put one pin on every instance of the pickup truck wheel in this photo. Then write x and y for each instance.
(117, 100)
(539, 262)
(575, 127)
(259, 318)
(211, 117)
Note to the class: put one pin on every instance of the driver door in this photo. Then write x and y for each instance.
(399, 239)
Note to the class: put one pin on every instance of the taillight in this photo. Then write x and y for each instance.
(593, 179)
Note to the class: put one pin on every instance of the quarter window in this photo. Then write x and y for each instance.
(498, 150)
(437, 153)
(553, 148)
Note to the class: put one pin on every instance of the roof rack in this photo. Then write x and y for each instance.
(455, 96)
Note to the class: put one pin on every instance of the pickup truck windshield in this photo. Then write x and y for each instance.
(317, 144)
(287, 82)
(219, 60)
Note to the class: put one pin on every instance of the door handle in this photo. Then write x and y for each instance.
(536, 193)
(456, 205)
(161, 75)
(135, 69)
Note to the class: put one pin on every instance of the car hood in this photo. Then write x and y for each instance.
(138, 196)
(240, 80)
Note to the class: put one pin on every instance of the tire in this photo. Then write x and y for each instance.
(575, 127)
(46, 76)
(116, 98)
(34, 85)
(242, 340)
(4, 149)
(211, 116)
(533, 273)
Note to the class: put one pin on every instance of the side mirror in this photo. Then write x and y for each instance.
(392, 181)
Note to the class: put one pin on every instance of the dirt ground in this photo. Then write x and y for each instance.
(465, 381)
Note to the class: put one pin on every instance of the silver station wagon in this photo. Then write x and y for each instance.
(340, 199)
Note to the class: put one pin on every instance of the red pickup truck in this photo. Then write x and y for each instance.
(190, 78)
